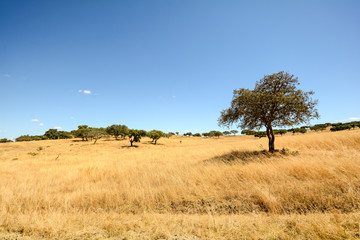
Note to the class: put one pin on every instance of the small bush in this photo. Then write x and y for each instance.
(33, 153)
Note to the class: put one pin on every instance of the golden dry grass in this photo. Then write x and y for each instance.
(179, 190)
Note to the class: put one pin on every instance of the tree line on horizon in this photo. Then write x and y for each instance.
(119, 132)
(87, 133)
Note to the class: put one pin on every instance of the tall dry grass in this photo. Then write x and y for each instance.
(178, 188)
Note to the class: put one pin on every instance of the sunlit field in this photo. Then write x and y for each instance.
(182, 188)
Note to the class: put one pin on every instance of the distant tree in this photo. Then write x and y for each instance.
(118, 130)
(4, 140)
(30, 138)
(280, 131)
(188, 134)
(215, 133)
(226, 133)
(340, 127)
(248, 132)
(135, 136)
(275, 101)
(142, 133)
(64, 135)
(82, 132)
(96, 133)
(171, 134)
(52, 134)
(319, 127)
(297, 130)
(205, 134)
(155, 135)
(260, 134)
(197, 135)
(354, 124)
(234, 132)
(177, 133)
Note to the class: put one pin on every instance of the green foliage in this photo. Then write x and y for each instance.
(205, 134)
(275, 101)
(55, 134)
(26, 138)
(177, 133)
(118, 130)
(96, 133)
(4, 140)
(188, 134)
(234, 132)
(320, 127)
(142, 133)
(226, 133)
(344, 126)
(52, 134)
(82, 132)
(155, 135)
(135, 135)
(280, 131)
(215, 133)
(297, 130)
(248, 132)
(260, 134)
(64, 135)
(341, 127)
(197, 135)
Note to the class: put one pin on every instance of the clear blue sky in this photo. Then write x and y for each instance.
(170, 65)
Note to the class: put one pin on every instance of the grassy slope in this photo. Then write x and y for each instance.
(171, 190)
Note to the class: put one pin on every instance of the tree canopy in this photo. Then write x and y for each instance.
(155, 135)
(275, 101)
(135, 135)
(118, 130)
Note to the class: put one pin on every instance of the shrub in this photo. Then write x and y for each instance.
(260, 134)
(248, 132)
(4, 140)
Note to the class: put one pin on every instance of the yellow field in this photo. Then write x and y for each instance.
(182, 189)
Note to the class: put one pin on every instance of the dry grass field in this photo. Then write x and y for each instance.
(182, 188)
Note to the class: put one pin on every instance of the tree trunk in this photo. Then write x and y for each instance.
(131, 142)
(155, 141)
(271, 137)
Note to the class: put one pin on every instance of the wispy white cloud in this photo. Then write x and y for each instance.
(2, 131)
(349, 119)
(35, 120)
(41, 124)
(6, 75)
(85, 91)
(58, 128)
(354, 118)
